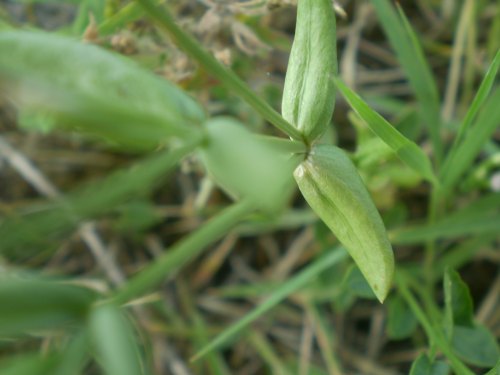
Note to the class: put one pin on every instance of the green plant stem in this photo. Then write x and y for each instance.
(226, 76)
(434, 335)
(185, 250)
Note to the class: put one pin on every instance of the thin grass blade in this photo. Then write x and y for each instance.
(332, 256)
(406, 150)
(478, 103)
(409, 52)
(486, 124)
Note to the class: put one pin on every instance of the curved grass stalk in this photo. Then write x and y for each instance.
(226, 76)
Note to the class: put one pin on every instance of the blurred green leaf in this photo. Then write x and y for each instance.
(458, 301)
(424, 366)
(92, 91)
(401, 321)
(476, 345)
(409, 52)
(406, 150)
(41, 226)
(114, 341)
(35, 303)
(245, 166)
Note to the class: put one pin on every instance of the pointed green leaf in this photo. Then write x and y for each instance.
(114, 341)
(407, 150)
(411, 57)
(86, 88)
(333, 188)
(480, 216)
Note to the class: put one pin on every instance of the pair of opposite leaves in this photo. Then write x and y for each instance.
(327, 178)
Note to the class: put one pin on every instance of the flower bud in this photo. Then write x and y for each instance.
(309, 92)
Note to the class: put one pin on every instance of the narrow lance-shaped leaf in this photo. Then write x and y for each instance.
(409, 52)
(406, 150)
(333, 188)
(309, 93)
(479, 99)
(84, 87)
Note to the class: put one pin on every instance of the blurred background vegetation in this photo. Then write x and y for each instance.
(334, 325)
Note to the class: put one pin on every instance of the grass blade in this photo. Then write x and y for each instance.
(331, 257)
(409, 52)
(406, 150)
(477, 136)
(478, 103)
